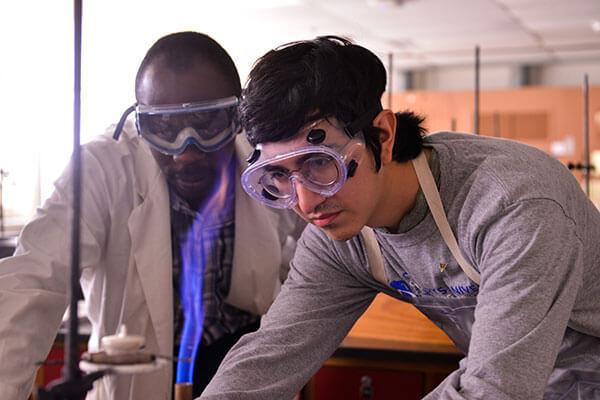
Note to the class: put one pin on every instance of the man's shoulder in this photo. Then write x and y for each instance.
(126, 148)
(315, 238)
(242, 146)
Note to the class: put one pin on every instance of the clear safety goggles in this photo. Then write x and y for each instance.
(320, 168)
(208, 125)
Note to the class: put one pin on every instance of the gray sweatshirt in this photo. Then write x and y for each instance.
(530, 331)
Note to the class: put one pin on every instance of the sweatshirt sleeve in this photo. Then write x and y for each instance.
(318, 304)
(531, 263)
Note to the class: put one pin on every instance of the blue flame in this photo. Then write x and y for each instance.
(191, 284)
(191, 280)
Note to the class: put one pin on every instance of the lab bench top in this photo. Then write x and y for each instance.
(392, 328)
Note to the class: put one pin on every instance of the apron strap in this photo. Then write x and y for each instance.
(437, 210)
(374, 254)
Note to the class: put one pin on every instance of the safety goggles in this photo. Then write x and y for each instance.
(321, 169)
(170, 128)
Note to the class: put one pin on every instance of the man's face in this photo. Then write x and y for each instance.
(342, 215)
(192, 173)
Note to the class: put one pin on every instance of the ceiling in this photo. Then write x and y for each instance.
(423, 33)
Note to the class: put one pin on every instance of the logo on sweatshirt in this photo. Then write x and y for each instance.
(407, 287)
(403, 288)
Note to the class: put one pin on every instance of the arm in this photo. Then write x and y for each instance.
(531, 264)
(33, 282)
(317, 306)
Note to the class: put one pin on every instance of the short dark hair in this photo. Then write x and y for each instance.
(182, 50)
(329, 76)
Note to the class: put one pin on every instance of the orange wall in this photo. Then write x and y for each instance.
(544, 115)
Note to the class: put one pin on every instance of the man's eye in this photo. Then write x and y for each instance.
(278, 176)
(158, 123)
(318, 162)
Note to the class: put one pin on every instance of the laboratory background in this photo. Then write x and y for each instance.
(526, 70)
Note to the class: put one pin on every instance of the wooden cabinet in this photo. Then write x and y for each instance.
(382, 375)
(346, 383)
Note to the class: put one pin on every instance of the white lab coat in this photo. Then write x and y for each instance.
(126, 265)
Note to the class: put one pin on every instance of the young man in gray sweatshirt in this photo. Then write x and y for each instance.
(506, 260)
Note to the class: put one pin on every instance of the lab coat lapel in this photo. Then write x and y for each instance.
(257, 250)
(149, 226)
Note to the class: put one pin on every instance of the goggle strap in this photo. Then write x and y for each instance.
(252, 157)
(352, 165)
(363, 121)
(119, 127)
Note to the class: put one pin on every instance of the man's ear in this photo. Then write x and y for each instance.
(386, 122)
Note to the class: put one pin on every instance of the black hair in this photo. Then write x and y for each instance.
(183, 50)
(329, 76)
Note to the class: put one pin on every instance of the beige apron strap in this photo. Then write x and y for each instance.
(374, 254)
(437, 210)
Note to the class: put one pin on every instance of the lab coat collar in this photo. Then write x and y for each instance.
(149, 226)
(257, 248)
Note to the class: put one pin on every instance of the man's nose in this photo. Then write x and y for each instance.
(189, 154)
(307, 199)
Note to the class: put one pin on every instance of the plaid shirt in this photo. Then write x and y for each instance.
(217, 240)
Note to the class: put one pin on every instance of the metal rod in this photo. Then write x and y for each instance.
(390, 78)
(73, 385)
(71, 370)
(476, 108)
(586, 136)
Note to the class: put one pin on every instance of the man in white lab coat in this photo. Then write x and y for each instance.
(142, 190)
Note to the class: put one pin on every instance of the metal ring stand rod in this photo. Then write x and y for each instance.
(585, 167)
(586, 136)
(73, 385)
(476, 106)
(71, 370)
